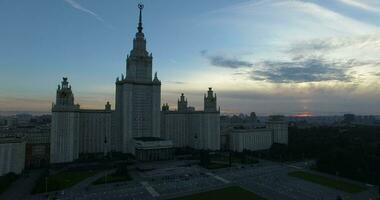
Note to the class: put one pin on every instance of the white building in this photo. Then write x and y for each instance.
(12, 155)
(137, 114)
(251, 139)
(256, 139)
(138, 96)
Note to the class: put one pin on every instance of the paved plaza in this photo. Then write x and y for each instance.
(174, 178)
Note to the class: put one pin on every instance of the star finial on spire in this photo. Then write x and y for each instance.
(139, 28)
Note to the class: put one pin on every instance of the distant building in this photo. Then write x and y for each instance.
(3, 122)
(12, 155)
(37, 152)
(279, 126)
(37, 141)
(23, 118)
(348, 119)
(250, 139)
(255, 139)
(11, 122)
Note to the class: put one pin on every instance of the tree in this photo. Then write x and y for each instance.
(243, 156)
(204, 158)
(378, 188)
(230, 158)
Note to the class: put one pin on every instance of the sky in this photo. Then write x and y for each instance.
(291, 57)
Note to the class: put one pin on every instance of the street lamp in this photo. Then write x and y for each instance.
(46, 184)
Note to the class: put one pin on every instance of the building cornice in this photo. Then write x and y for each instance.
(135, 82)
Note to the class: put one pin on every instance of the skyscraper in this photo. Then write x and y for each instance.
(138, 95)
(135, 124)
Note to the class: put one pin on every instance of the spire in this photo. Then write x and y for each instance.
(65, 83)
(139, 28)
(155, 80)
(139, 43)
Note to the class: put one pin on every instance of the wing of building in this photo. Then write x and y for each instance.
(77, 131)
(189, 128)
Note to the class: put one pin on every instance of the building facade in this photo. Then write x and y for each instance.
(189, 128)
(153, 148)
(12, 155)
(251, 139)
(255, 139)
(279, 126)
(37, 153)
(75, 131)
(138, 96)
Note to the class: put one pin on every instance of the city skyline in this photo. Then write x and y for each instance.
(307, 57)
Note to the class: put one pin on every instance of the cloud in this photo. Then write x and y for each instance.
(369, 41)
(304, 70)
(227, 62)
(176, 82)
(25, 103)
(376, 74)
(288, 19)
(344, 59)
(362, 5)
(77, 6)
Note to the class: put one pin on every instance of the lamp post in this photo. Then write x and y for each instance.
(46, 184)
(105, 157)
(105, 178)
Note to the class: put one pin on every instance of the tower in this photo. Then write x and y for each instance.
(64, 137)
(137, 95)
(139, 62)
(210, 101)
(64, 97)
(182, 104)
(165, 107)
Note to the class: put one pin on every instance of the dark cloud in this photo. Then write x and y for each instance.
(257, 95)
(314, 45)
(220, 61)
(204, 52)
(304, 70)
(227, 62)
(176, 82)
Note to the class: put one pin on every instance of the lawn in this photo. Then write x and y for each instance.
(112, 178)
(62, 180)
(223, 194)
(329, 182)
(6, 181)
